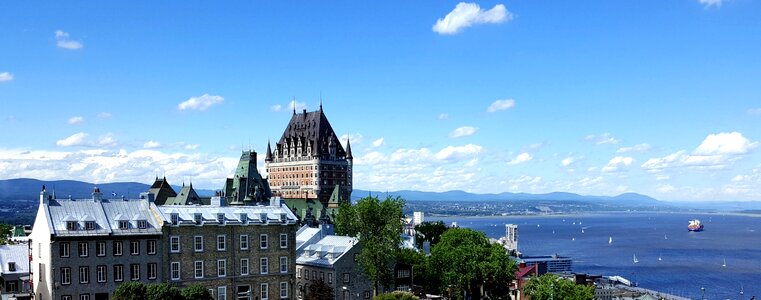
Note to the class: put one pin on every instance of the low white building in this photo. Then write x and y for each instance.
(14, 271)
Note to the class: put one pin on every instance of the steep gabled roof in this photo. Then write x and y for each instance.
(314, 128)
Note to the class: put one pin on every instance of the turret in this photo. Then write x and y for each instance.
(268, 158)
(348, 149)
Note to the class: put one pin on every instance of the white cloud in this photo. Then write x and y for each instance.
(600, 139)
(104, 115)
(356, 138)
(202, 102)
(618, 163)
(63, 41)
(568, 161)
(521, 158)
(6, 76)
(463, 131)
(299, 106)
(151, 144)
(379, 142)
(192, 146)
(665, 188)
(501, 105)
(276, 108)
(590, 181)
(725, 143)
(709, 3)
(451, 153)
(75, 120)
(465, 15)
(443, 116)
(644, 147)
(107, 140)
(77, 139)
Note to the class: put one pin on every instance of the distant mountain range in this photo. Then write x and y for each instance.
(629, 198)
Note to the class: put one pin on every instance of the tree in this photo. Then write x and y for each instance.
(378, 226)
(429, 231)
(196, 292)
(133, 290)
(396, 295)
(550, 286)
(163, 291)
(467, 261)
(6, 230)
(320, 291)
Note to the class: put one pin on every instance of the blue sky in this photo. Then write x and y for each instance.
(596, 97)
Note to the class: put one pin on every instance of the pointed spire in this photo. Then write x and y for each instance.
(293, 104)
(348, 148)
(269, 152)
(320, 101)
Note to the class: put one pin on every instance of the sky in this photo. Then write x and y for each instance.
(661, 98)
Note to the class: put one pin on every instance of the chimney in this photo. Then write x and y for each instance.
(148, 196)
(44, 195)
(97, 196)
(217, 201)
(275, 201)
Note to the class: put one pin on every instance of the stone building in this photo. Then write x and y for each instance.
(82, 249)
(237, 252)
(309, 162)
(14, 271)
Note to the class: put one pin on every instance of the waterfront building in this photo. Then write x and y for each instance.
(14, 271)
(511, 239)
(309, 162)
(418, 217)
(548, 263)
(82, 249)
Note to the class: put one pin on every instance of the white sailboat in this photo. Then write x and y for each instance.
(582, 230)
(610, 240)
(725, 263)
(635, 259)
(665, 237)
(659, 257)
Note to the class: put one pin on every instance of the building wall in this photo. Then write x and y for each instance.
(232, 256)
(355, 284)
(40, 239)
(308, 177)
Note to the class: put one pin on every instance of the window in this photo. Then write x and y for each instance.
(199, 269)
(263, 241)
(134, 247)
(134, 271)
(89, 225)
(175, 270)
(71, 225)
(100, 248)
(298, 272)
(306, 274)
(314, 275)
(101, 272)
(84, 297)
(244, 218)
(175, 219)
(330, 277)
(264, 291)
(322, 275)
(300, 291)
(283, 240)
(403, 273)
(284, 264)
(142, 224)
(123, 225)
(118, 248)
(221, 242)
(221, 267)
(12, 266)
(263, 268)
(283, 290)
(367, 294)
(83, 249)
(63, 249)
(222, 293)
(346, 277)
(244, 266)
(174, 244)
(118, 272)
(84, 274)
(198, 218)
(66, 297)
(153, 270)
(151, 246)
(221, 218)
(65, 275)
(244, 242)
(198, 243)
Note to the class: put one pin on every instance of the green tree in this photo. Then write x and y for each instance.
(163, 291)
(5, 233)
(467, 261)
(422, 276)
(133, 290)
(396, 295)
(378, 226)
(429, 231)
(196, 292)
(550, 286)
(319, 291)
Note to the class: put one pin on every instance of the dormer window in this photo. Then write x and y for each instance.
(244, 218)
(12, 266)
(123, 225)
(71, 225)
(175, 219)
(89, 225)
(221, 218)
(198, 218)
(142, 224)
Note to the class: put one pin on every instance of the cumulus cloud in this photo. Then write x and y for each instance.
(465, 15)
(379, 142)
(644, 147)
(709, 3)
(618, 163)
(64, 41)
(443, 116)
(501, 105)
(192, 146)
(356, 138)
(75, 120)
(151, 144)
(202, 102)
(568, 161)
(6, 76)
(717, 151)
(276, 108)
(725, 143)
(77, 139)
(107, 140)
(104, 115)
(451, 153)
(520, 158)
(463, 131)
(600, 139)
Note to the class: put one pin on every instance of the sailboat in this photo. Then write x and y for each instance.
(610, 240)
(635, 259)
(659, 257)
(582, 230)
(725, 263)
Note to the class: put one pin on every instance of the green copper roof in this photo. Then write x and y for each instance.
(247, 185)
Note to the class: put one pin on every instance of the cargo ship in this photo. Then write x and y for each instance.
(695, 225)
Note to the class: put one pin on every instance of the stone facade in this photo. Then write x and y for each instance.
(333, 260)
